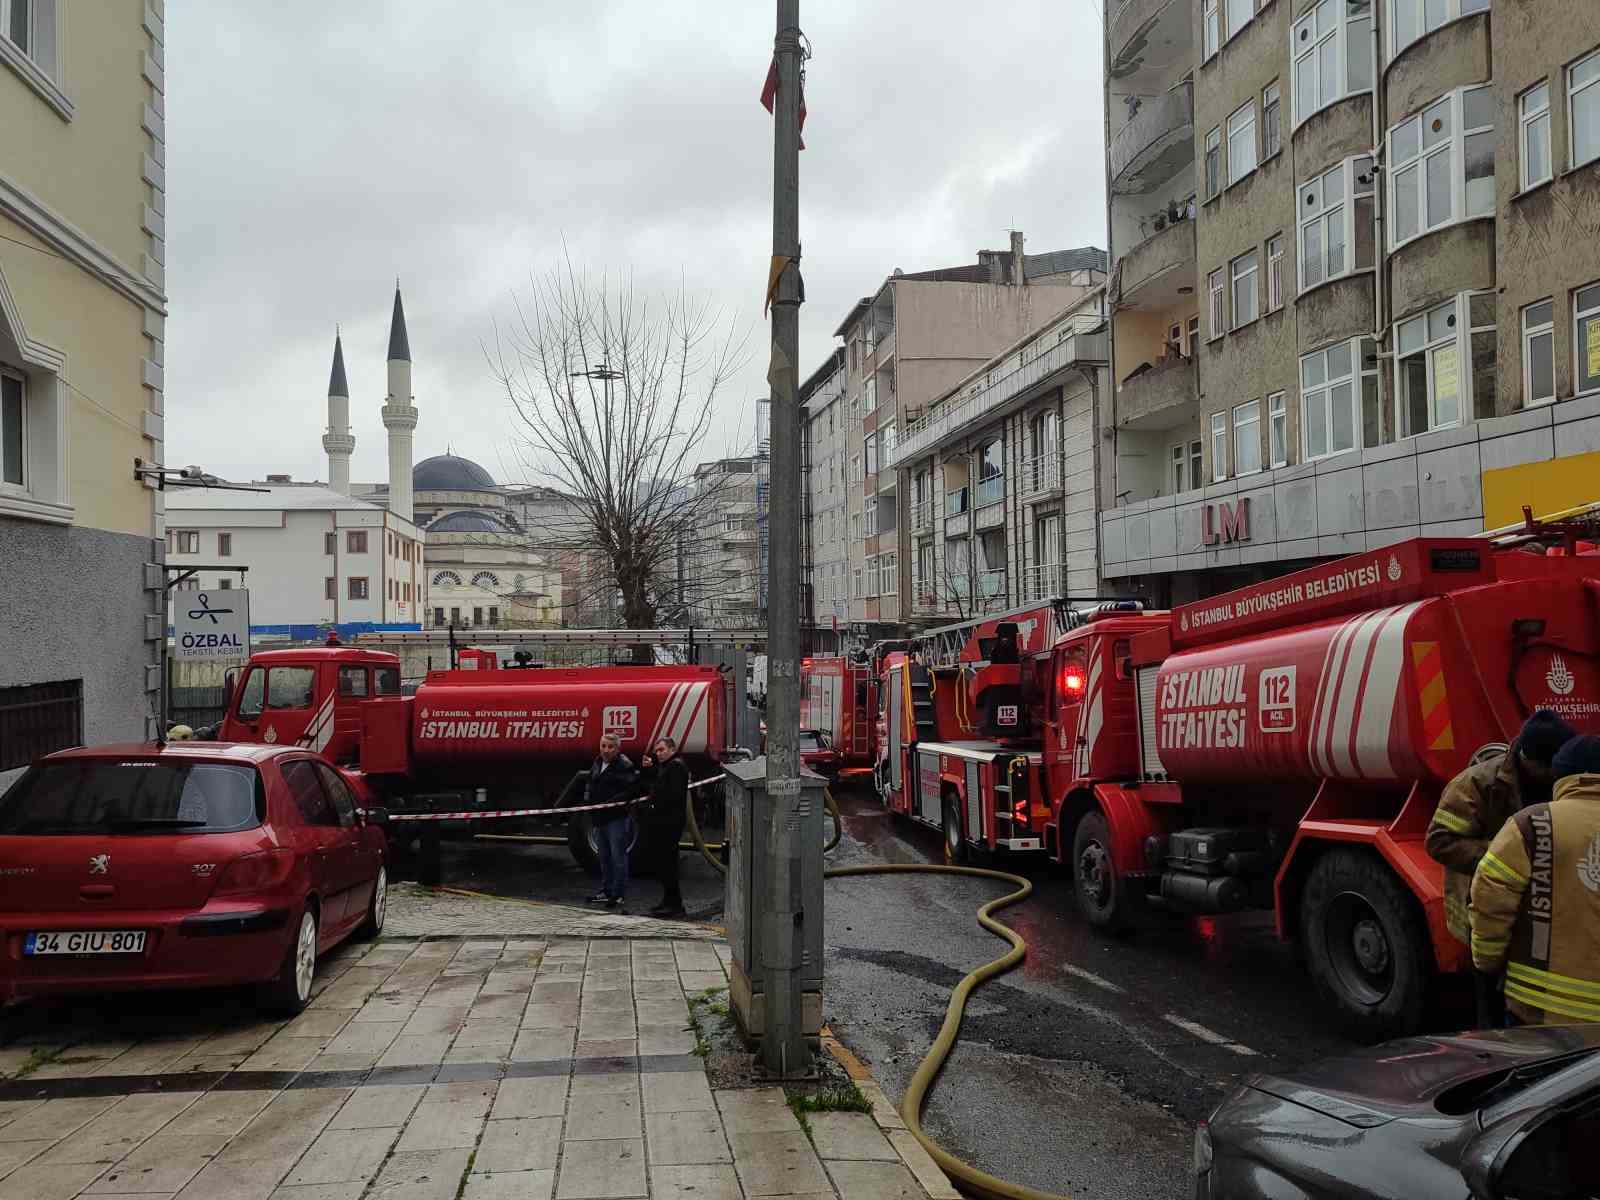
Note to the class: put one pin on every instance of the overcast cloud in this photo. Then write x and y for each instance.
(317, 151)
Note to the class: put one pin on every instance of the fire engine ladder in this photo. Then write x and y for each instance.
(922, 702)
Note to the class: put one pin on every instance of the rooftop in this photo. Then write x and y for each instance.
(276, 496)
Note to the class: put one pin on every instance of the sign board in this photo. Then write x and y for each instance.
(211, 625)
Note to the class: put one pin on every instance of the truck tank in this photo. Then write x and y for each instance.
(522, 715)
(1394, 666)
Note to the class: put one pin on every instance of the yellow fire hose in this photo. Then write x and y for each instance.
(965, 1174)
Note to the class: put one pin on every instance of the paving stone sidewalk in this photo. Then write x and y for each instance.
(484, 1067)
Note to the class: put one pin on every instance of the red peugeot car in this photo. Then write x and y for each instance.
(192, 864)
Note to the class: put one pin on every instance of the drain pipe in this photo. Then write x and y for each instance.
(1380, 191)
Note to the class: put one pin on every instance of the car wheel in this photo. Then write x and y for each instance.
(1101, 891)
(956, 850)
(290, 990)
(377, 907)
(1365, 944)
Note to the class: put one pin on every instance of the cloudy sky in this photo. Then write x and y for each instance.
(317, 151)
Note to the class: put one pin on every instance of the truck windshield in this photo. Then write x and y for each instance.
(136, 796)
(276, 688)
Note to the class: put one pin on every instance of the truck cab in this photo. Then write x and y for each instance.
(309, 697)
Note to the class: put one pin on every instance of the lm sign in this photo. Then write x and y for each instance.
(1222, 522)
(214, 625)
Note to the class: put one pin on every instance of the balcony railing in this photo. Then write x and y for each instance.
(1155, 144)
(991, 593)
(1075, 342)
(1040, 475)
(991, 490)
(955, 502)
(1043, 580)
(922, 514)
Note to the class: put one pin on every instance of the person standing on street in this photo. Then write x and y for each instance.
(668, 777)
(612, 777)
(1536, 898)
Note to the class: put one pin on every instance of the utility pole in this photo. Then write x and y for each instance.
(783, 1044)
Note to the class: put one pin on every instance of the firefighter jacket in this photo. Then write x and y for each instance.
(1536, 906)
(1474, 807)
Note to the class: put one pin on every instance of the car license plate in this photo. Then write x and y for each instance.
(86, 941)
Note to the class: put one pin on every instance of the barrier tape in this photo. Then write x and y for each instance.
(477, 815)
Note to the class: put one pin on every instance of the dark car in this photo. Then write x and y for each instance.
(817, 753)
(1497, 1115)
(194, 864)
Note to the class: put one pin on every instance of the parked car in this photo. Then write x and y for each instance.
(192, 864)
(817, 753)
(1497, 1115)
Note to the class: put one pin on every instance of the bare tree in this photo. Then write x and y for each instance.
(614, 395)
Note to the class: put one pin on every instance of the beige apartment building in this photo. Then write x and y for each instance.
(82, 312)
(1356, 291)
(906, 345)
(722, 569)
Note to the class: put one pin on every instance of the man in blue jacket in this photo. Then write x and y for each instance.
(612, 777)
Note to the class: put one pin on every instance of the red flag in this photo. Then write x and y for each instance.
(769, 96)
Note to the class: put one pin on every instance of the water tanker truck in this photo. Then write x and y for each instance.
(480, 737)
(1281, 747)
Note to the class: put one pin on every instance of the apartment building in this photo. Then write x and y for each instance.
(1000, 475)
(721, 560)
(824, 519)
(82, 313)
(1356, 293)
(906, 345)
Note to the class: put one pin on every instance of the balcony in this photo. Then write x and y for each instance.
(1148, 276)
(992, 595)
(955, 502)
(991, 490)
(1043, 581)
(922, 515)
(1040, 476)
(1081, 339)
(1156, 143)
(1151, 42)
(1161, 398)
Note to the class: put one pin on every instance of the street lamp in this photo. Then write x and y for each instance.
(604, 372)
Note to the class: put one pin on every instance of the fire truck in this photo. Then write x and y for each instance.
(1281, 747)
(481, 736)
(839, 701)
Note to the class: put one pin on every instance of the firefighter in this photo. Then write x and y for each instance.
(664, 817)
(1536, 898)
(1477, 802)
(612, 777)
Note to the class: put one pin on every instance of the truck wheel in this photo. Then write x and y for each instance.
(1365, 944)
(956, 850)
(1101, 891)
(584, 841)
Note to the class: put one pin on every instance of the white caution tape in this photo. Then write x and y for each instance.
(479, 815)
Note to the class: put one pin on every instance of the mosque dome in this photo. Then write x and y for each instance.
(466, 520)
(450, 473)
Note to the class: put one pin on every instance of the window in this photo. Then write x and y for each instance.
(308, 794)
(1336, 214)
(1210, 29)
(855, 584)
(1439, 364)
(871, 514)
(18, 23)
(353, 681)
(12, 441)
(1239, 14)
(183, 541)
(355, 541)
(1193, 331)
(1277, 430)
(855, 468)
(1213, 162)
(1275, 273)
(1413, 18)
(494, 614)
(991, 473)
(338, 793)
(1196, 470)
(224, 585)
(388, 678)
(330, 543)
(1180, 468)
(1332, 51)
(330, 588)
(1332, 383)
(1442, 164)
(1247, 438)
(1583, 109)
(1271, 120)
(406, 592)
(477, 616)
(438, 616)
(1214, 297)
(38, 719)
(1538, 354)
(1246, 298)
(487, 580)
(357, 587)
(445, 580)
(288, 688)
(872, 455)
(1219, 446)
(224, 545)
(1586, 342)
(1242, 142)
(455, 616)
(1535, 137)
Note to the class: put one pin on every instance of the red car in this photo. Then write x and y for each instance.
(186, 865)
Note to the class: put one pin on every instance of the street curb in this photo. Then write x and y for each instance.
(916, 1159)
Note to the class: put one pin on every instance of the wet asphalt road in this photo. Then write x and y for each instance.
(1084, 1070)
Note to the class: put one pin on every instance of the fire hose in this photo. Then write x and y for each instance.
(967, 1175)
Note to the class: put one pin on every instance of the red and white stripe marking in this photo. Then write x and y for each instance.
(1353, 714)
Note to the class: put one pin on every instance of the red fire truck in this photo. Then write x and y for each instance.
(481, 736)
(839, 700)
(1281, 747)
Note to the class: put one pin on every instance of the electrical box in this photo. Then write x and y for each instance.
(749, 864)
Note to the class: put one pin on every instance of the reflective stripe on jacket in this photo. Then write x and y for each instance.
(1536, 906)
(1475, 805)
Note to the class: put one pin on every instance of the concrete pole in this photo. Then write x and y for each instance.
(783, 1044)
